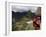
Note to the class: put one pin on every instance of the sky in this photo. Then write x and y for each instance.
(24, 8)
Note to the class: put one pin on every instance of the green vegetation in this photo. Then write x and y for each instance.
(21, 24)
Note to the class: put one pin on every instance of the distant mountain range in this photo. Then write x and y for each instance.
(18, 15)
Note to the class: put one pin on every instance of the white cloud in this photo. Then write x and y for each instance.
(23, 8)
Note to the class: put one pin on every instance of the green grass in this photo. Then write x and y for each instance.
(21, 25)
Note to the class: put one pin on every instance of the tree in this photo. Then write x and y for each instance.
(29, 14)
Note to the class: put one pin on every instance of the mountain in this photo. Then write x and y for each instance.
(18, 15)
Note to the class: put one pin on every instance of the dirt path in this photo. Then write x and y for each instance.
(30, 25)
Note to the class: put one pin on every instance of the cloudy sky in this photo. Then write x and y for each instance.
(24, 8)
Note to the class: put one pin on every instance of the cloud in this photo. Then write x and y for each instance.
(24, 8)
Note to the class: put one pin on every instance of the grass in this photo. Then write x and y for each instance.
(22, 25)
